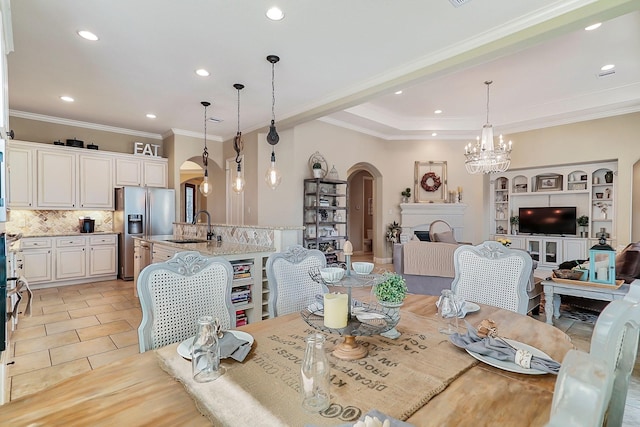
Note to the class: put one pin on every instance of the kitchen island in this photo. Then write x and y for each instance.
(250, 289)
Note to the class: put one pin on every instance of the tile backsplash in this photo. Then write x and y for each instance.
(35, 223)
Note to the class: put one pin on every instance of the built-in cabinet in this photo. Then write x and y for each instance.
(589, 187)
(43, 176)
(69, 259)
(325, 216)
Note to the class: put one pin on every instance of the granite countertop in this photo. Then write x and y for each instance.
(257, 227)
(211, 247)
(68, 233)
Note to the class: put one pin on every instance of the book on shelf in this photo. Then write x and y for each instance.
(241, 275)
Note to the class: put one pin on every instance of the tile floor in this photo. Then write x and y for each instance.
(74, 329)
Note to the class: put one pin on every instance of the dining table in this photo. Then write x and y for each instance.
(419, 377)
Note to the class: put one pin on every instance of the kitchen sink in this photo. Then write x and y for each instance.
(186, 241)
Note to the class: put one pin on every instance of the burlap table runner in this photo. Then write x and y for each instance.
(397, 377)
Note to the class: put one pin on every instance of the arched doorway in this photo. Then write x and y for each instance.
(191, 201)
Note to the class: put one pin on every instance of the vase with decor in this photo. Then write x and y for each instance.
(390, 294)
(317, 170)
(608, 177)
(406, 194)
(583, 222)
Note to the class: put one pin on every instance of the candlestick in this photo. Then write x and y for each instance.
(335, 310)
(348, 248)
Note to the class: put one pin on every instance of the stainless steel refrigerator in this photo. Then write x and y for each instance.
(141, 212)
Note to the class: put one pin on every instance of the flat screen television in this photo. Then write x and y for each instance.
(550, 220)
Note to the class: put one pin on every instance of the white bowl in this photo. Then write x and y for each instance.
(332, 274)
(362, 267)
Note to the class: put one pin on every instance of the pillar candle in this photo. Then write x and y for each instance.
(335, 310)
(601, 274)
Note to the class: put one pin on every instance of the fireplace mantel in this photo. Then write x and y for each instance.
(419, 216)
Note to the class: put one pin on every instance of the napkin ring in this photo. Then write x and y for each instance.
(523, 358)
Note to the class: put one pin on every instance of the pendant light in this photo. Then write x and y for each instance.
(273, 176)
(205, 187)
(237, 184)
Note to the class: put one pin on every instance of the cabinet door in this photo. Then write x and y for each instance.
(37, 265)
(57, 177)
(96, 182)
(161, 254)
(575, 249)
(102, 260)
(128, 172)
(71, 263)
(155, 173)
(20, 173)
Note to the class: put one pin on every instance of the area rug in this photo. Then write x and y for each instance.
(579, 314)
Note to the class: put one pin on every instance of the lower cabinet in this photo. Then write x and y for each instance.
(70, 259)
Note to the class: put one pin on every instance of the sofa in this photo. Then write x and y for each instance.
(430, 278)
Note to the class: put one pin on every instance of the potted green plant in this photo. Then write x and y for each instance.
(317, 170)
(392, 290)
(583, 222)
(406, 194)
(514, 221)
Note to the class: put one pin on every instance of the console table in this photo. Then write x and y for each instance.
(553, 290)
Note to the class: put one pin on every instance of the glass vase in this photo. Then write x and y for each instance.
(448, 312)
(314, 375)
(205, 353)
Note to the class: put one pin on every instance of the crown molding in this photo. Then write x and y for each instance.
(200, 135)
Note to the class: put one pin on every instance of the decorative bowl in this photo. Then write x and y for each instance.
(332, 274)
(569, 274)
(362, 267)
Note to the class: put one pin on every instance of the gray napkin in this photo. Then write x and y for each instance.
(497, 349)
(233, 347)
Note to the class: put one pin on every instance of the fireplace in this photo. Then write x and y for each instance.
(419, 216)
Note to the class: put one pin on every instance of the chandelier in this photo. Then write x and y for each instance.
(484, 156)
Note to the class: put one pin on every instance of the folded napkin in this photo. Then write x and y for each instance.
(496, 348)
(460, 303)
(233, 347)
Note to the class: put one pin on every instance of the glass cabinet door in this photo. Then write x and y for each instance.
(533, 247)
(551, 252)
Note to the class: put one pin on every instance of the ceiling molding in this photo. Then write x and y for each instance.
(86, 125)
(199, 135)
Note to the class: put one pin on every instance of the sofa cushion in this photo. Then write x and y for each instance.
(445, 237)
(628, 264)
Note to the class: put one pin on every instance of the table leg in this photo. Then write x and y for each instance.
(548, 304)
(556, 306)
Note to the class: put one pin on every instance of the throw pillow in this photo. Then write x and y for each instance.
(422, 235)
(628, 265)
(445, 237)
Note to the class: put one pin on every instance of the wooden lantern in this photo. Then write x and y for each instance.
(602, 263)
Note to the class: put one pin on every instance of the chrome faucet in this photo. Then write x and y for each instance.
(210, 233)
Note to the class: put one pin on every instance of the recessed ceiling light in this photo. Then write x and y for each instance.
(275, 14)
(398, 92)
(151, 116)
(87, 35)
(202, 72)
(437, 112)
(66, 98)
(434, 134)
(607, 67)
(593, 26)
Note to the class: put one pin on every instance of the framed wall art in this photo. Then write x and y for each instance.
(430, 181)
(549, 182)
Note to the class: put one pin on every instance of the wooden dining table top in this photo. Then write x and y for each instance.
(137, 391)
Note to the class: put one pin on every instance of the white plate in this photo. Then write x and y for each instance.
(184, 349)
(512, 366)
(470, 307)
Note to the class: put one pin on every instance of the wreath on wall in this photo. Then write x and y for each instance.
(430, 182)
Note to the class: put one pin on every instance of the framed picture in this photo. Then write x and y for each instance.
(430, 182)
(548, 182)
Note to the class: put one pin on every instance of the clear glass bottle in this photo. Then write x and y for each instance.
(205, 352)
(448, 312)
(314, 375)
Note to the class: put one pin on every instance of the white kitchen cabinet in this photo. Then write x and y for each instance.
(96, 182)
(155, 173)
(57, 179)
(38, 259)
(102, 255)
(71, 257)
(141, 171)
(128, 172)
(20, 171)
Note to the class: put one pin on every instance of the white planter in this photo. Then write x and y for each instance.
(318, 173)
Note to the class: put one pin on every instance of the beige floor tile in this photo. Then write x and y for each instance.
(125, 339)
(43, 319)
(67, 325)
(43, 291)
(112, 356)
(127, 304)
(91, 291)
(106, 300)
(90, 311)
(103, 330)
(54, 300)
(45, 343)
(135, 320)
(34, 381)
(63, 307)
(29, 362)
(113, 292)
(80, 350)
(118, 315)
(82, 297)
(21, 334)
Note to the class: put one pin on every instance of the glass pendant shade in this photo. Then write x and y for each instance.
(238, 182)
(273, 176)
(205, 187)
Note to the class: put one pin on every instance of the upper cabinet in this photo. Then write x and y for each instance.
(43, 176)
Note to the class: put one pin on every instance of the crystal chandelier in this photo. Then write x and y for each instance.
(205, 187)
(273, 176)
(484, 156)
(238, 182)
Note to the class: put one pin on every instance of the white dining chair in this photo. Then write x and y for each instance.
(591, 389)
(291, 288)
(492, 274)
(175, 293)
